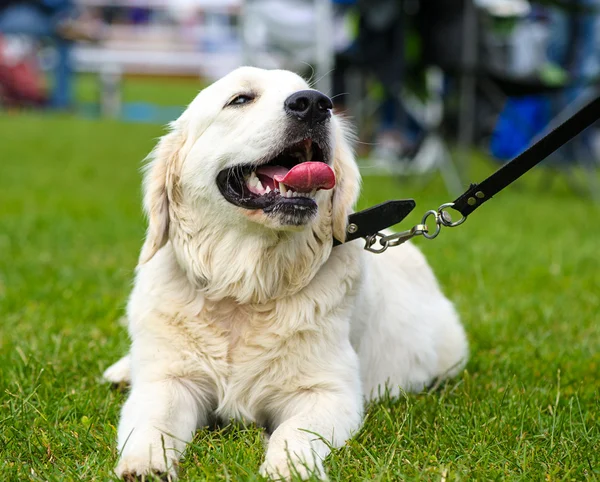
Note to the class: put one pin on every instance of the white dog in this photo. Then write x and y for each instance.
(241, 306)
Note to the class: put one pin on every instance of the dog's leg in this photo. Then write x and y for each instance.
(119, 372)
(158, 420)
(316, 422)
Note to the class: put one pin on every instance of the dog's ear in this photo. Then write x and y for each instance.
(347, 186)
(160, 163)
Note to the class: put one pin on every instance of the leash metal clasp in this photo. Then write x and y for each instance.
(379, 242)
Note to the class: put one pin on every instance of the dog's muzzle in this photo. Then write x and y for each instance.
(310, 106)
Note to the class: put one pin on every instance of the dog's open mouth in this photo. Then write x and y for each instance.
(287, 183)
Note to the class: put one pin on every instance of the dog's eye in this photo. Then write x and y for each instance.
(241, 99)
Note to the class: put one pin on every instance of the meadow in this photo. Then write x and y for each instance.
(524, 272)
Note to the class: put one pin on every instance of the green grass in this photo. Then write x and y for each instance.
(524, 272)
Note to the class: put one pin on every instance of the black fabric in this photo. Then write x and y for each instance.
(477, 194)
(8, 3)
(376, 218)
(440, 24)
(34, 3)
(378, 48)
(571, 6)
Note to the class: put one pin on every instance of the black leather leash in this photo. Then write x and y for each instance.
(374, 219)
(368, 223)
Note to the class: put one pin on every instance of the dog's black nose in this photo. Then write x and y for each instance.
(309, 106)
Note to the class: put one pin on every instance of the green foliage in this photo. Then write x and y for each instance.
(523, 271)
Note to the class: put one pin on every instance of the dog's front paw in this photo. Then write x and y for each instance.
(139, 468)
(119, 373)
(288, 467)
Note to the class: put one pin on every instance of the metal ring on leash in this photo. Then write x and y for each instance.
(438, 224)
(448, 222)
(372, 239)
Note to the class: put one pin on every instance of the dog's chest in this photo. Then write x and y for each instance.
(233, 349)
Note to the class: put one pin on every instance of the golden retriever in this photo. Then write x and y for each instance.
(243, 309)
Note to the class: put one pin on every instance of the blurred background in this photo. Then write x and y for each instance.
(418, 77)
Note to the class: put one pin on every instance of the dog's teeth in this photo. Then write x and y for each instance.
(290, 194)
(313, 193)
(282, 189)
(259, 185)
(268, 190)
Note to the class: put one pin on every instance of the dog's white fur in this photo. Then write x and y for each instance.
(235, 314)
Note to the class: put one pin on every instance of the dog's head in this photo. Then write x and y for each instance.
(257, 151)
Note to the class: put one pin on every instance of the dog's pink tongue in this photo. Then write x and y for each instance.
(308, 176)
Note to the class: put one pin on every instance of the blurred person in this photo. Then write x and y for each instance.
(569, 62)
(379, 50)
(575, 40)
(575, 44)
(21, 82)
(55, 20)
